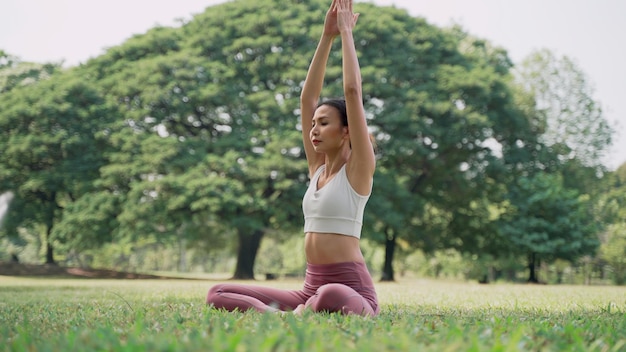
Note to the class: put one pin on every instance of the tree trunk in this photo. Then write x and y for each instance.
(390, 248)
(49, 249)
(532, 269)
(246, 254)
(51, 201)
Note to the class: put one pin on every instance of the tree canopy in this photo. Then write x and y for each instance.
(52, 149)
(190, 135)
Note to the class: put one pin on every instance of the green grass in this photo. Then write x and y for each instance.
(416, 315)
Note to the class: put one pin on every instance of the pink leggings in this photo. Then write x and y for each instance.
(341, 287)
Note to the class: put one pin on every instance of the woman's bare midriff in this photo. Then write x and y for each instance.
(329, 248)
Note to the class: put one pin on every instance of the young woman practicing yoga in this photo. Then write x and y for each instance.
(341, 162)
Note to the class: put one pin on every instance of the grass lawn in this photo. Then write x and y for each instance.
(416, 315)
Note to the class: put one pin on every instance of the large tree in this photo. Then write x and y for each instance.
(222, 104)
(51, 150)
(546, 221)
(444, 114)
(576, 130)
(208, 134)
(209, 111)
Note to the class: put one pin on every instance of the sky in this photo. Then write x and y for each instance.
(590, 32)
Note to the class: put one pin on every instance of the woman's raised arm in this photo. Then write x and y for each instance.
(362, 161)
(313, 84)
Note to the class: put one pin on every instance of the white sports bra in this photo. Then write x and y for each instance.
(334, 208)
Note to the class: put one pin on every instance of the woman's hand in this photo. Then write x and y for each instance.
(330, 22)
(346, 19)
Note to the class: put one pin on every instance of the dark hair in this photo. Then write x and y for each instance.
(340, 105)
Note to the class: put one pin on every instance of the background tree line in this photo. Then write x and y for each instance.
(188, 138)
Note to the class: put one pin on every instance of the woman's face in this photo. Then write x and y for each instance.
(327, 132)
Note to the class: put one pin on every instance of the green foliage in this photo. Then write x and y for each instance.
(575, 126)
(188, 138)
(209, 125)
(439, 101)
(548, 221)
(613, 251)
(170, 315)
(612, 208)
(15, 73)
(52, 149)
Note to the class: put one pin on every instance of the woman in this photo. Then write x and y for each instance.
(341, 163)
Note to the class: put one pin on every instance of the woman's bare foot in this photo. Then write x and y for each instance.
(299, 310)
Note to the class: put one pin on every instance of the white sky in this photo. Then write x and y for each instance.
(591, 32)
